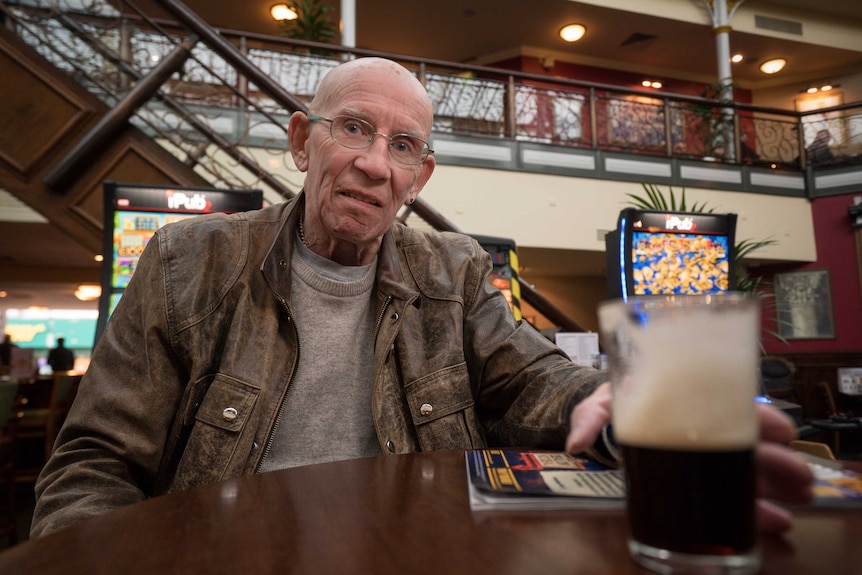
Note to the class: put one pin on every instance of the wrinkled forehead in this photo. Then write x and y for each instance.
(373, 81)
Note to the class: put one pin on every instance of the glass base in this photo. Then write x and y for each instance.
(673, 562)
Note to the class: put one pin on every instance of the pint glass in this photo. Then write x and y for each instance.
(684, 378)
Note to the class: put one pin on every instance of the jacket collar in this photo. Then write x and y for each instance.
(275, 266)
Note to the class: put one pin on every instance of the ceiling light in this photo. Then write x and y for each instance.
(283, 12)
(812, 90)
(773, 66)
(88, 292)
(656, 85)
(736, 58)
(573, 32)
(826, 88)
(646, 83)
(99, 258)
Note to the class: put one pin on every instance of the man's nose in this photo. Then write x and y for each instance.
(375, 158)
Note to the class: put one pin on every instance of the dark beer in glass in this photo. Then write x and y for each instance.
(710, 511)
(684, 376)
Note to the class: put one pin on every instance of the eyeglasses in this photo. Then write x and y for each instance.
(358, 134)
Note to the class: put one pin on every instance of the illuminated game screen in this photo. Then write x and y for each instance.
(132, 232)
(133, 214)
(671, 263)
(653, 252)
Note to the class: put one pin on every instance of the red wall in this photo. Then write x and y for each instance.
(836, 252)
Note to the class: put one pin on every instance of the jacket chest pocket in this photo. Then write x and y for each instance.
(213, 448)
(441, 407)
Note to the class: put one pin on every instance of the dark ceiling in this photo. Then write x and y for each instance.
(462, 31)
(468, 31)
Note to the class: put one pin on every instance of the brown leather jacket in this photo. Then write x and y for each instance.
(186, 383)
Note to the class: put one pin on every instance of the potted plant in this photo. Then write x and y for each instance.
(312, 22)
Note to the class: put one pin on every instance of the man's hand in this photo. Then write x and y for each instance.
(782, 475)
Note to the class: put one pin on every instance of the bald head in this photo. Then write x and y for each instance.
(389, 75)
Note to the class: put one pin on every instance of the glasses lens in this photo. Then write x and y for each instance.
(352, 132)
(407, 149)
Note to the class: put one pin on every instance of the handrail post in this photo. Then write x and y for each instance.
(668, 131)
(594, 122)
(511, 122)
(241, 79)
(125, 52)
(800, 131)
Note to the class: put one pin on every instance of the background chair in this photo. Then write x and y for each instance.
(40, 424)
(8, 451)
(812, 448)
(777, 375)
(836, 422)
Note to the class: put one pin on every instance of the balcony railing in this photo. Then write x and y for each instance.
(98, 45)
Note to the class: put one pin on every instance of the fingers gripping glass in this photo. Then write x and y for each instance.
(358, 134)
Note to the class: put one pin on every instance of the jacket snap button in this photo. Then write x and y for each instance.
(393, 318)
(390, 446)
(426, 409)
(229, 414)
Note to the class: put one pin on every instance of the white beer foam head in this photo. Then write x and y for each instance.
(691, 381)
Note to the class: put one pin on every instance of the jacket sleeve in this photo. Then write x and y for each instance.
(108, 451)
(527, 386)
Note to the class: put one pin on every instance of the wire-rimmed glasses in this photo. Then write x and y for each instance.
(358, 134)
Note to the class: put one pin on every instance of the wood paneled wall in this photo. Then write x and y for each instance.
(823, 366)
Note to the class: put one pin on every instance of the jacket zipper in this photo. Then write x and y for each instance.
(379, 318)
(271, 438)
(386, 303)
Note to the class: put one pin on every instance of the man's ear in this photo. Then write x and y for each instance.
(297, 136)
(425, 170)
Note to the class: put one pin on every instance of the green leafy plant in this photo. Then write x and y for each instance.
(656, 199)
(715, 126)
(312, 22)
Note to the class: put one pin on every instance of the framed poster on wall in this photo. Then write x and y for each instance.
(803, 305)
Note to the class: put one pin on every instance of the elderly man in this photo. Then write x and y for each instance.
(315, 330)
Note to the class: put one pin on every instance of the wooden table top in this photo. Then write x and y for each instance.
(390, 514)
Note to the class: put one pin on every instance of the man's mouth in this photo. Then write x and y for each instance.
(361, 198)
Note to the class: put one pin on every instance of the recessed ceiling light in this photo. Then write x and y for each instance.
(573, 32)
(812, 90)
(736, 58)
(773, 66)
(826, 88)
(283, 12)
